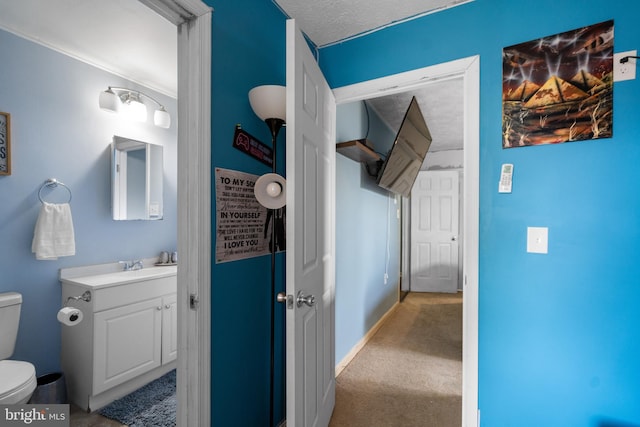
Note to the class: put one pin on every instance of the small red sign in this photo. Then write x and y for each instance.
(246, 143)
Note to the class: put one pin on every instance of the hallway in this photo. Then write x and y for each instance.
(410, 372)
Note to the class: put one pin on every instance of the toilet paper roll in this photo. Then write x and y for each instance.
(70, 316)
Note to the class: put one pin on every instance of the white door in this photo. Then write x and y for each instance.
(434, 232)
(311, 247)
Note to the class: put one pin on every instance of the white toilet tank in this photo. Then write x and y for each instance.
(10, 303)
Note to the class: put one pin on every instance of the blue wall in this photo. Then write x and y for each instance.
(248, 50)
(367, 214)
(559, 336)
(58, 131)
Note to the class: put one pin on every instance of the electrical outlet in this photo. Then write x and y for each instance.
(386, 278)
(154, 209)
(624, 71)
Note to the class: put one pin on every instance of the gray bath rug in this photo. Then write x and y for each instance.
(152, 405)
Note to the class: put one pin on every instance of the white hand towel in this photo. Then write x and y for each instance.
(53, 236)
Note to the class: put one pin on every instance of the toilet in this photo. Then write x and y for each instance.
(17, 379)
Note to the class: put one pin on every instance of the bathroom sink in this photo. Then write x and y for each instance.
(122, 277)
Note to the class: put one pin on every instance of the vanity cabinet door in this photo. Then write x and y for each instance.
(127, 342)
(169, 328)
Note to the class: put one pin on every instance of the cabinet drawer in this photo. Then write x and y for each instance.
(116, 296)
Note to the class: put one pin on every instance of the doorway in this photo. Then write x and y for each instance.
(193, 389)
(468, 69)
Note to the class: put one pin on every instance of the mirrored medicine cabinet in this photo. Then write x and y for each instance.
(136, 180)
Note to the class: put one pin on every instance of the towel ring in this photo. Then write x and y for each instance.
(52, 183)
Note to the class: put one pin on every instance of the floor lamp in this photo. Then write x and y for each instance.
(269, 103)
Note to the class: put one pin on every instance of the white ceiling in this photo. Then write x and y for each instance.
(441, 103)
(120, 36)
(128, 39)
(328, 21)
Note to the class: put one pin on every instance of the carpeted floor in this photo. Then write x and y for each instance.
(410, 372)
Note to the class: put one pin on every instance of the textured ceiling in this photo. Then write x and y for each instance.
(329, 21)
(441, 105)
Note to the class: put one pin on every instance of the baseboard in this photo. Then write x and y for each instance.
(364, 340)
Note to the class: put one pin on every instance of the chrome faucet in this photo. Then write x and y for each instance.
(132, 265)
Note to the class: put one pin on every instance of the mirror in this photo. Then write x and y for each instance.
(136, 180)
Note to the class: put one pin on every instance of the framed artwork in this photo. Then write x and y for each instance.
(5, 144)
(558, 88)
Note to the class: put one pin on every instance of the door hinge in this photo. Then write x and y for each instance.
(194, 301)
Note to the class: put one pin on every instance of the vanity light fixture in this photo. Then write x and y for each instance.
(131, 103)
(133, 108)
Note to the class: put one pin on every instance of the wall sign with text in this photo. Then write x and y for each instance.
(240, 219)
(246, 143)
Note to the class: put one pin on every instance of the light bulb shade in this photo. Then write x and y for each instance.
(162, 118)
(109, 101)
(269, 102)
(271, 191)
(274, 189)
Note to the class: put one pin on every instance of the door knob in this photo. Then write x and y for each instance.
(454, 238)
(310, 300)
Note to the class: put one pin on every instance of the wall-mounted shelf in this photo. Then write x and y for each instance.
(357, 150)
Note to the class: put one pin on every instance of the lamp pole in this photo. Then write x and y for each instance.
(274, 127)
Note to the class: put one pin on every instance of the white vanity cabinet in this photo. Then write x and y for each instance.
(128, 335)
(170, 328)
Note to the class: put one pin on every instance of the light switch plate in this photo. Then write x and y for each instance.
(537, 240)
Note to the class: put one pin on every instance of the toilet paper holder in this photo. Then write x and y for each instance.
(86, 296)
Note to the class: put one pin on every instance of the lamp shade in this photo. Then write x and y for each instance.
(162, 118)
(109, 101)
(269, 102)
(271, 191)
